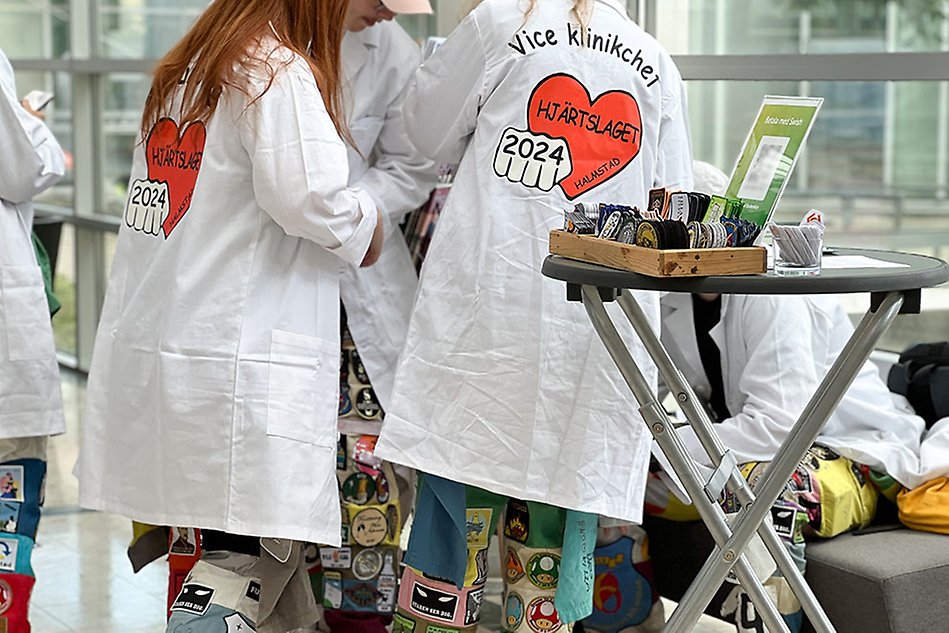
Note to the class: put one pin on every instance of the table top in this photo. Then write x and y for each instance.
(921, 272)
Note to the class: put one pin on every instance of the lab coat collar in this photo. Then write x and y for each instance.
(355, 51)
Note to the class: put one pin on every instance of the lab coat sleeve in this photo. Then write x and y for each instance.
(300, 167)
(401, 178)
(32, 160)
(775, 384)
(441, 107)
(674, 156)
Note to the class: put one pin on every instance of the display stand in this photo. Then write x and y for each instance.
(672, 262)
(893, 291)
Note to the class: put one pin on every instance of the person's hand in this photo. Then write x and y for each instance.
(375, 246)
(38, 115)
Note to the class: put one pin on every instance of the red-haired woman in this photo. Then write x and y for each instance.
(212, 396)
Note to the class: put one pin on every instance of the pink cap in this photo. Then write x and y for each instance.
(408, 6)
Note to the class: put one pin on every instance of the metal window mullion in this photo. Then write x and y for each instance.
(890, 100)
(719, 90)
(823, 67)
(942, 119)
(649, 16)
(87, 148)
(89, 277)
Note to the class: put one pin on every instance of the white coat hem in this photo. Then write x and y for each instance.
(307, 534)
(420, 463)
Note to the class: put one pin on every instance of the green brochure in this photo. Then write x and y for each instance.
(770, 152)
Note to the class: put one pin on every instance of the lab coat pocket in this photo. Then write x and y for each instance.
(24, 315)
(302, 394)
(365, 132)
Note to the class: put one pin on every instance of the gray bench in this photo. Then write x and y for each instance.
(894, 581)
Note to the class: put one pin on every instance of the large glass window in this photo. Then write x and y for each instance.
(64, 286)
(144, 28)
(123, 101)
(59, 119)
(36, 29)
(751, 27)
(877, 162)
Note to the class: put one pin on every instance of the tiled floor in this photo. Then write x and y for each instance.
(84, 580)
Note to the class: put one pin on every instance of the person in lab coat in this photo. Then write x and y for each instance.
(31, 406)
(379, 59)
(212, 395)
(754, 362)
(503, 394)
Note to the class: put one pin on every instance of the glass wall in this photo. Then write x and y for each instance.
(877, 162)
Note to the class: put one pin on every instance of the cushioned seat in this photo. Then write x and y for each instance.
(881, 582)
(886, 582)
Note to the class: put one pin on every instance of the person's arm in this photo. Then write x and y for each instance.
(674, 155)
(401, 178)
(32, 160)
(776, 382)
(300, 167)
(441, 107)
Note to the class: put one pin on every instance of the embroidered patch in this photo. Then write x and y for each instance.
(513, 610)
(369, 527)
(517, 521)
(8, 552)
(543, 570)
(478, 525)
(194, 598)
(11, 482)
(514, 566)
(433, 603)
(542, 616)
(367, 564)
(359, 489)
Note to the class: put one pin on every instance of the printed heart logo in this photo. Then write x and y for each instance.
(604, 134)
(176, 161)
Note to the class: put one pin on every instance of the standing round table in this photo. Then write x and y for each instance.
(893, 289)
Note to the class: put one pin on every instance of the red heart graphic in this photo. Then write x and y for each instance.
(603, 135)
(175, 161)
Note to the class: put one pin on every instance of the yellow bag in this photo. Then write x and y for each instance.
(926, 507)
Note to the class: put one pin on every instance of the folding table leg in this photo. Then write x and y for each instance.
(662, 429)
(825, 400)
(700, 422)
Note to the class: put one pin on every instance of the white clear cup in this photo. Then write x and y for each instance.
(796, 251)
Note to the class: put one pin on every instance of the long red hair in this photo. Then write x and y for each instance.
(213, 56)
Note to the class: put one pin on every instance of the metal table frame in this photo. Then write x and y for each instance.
(893, 291)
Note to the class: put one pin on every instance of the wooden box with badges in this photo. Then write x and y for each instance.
(689, 262)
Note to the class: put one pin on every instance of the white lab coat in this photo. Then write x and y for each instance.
(378, 63)
(774, 351)
(213, 392)
(934, 453)
(503, 384)
(31, 161)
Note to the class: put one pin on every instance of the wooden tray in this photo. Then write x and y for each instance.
(693, 262)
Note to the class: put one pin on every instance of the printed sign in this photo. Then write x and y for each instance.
(770, 153)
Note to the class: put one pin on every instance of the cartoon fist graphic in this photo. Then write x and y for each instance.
(147, 206)
(537, 161)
